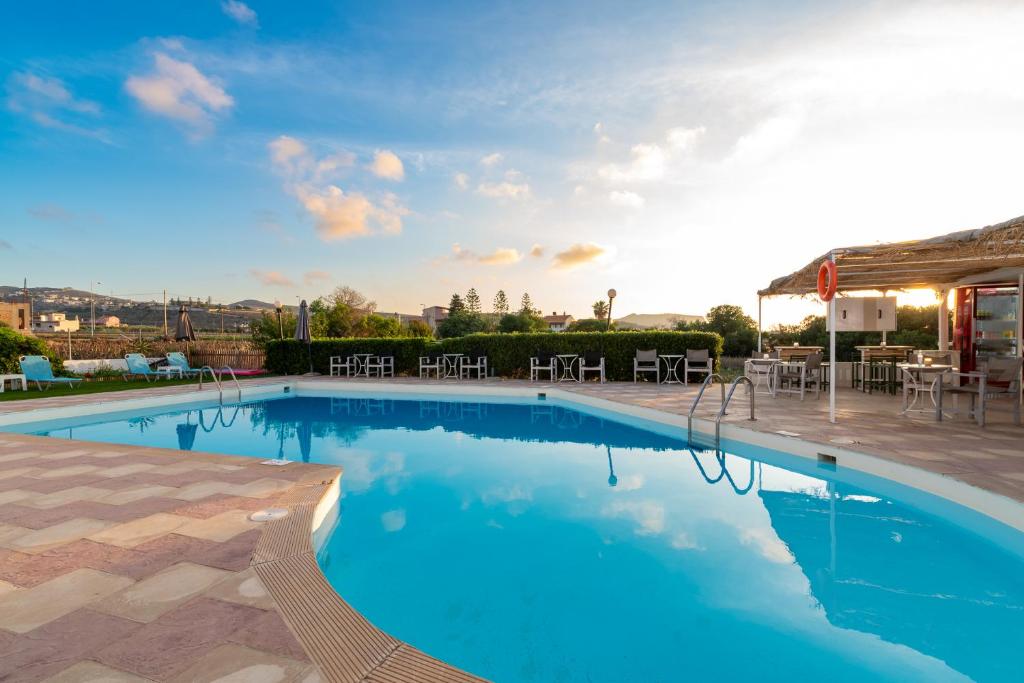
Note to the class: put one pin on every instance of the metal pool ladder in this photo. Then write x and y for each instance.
(725, 404)
(220, 388)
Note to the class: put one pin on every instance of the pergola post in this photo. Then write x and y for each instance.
(832, 364)
(759, 349)
(943, 320)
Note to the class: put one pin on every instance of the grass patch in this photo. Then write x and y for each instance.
(89, 387)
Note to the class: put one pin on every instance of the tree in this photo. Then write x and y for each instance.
(418, 328)
(455, 306)
(472, 301)
(600, 309)
(352, 298)
(461, 324)
(526, 305)
(736, 327)
(265, 328)
(375, 325)
(589, 325)
(500, 303)
(522, 322)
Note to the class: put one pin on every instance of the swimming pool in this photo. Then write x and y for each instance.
(542, 541)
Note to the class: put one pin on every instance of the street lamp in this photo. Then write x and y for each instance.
(92, 307)
(280, 325)
(611, 297)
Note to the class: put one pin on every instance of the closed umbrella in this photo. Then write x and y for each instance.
(302, 331)
(184, 331)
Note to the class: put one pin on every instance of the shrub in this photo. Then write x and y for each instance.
(522, 322)
(508, 355)
(14, 344)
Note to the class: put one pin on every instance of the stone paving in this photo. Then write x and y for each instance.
(122, 563)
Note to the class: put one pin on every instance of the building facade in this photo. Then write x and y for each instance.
(54, 322)
(17, 315)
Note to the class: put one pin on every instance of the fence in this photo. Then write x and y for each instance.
(215, 353)
(242, 359)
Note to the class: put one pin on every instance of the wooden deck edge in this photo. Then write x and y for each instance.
(345, 646)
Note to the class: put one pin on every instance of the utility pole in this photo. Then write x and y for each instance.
(92, 307)
(165, 313)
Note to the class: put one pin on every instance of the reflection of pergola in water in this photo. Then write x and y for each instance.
(881, 569)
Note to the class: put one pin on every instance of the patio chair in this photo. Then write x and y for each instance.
(138, 366)
(37, 369)
(543, 361)
(430, 364)
(339, 363)
(760, 374)
(177, 359)
(592, 361)
(805, 374)
(383, 365)
(1000, 379)
(469, 366)
(697, 360)
(647, 361)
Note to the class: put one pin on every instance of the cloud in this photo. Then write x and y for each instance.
(501, 256)
(240, 12)
(178, 90)
(536, 251)
(578, 255)
(626, 198)
(271, 277)
(461, 180)
(5, 246)
(491, 159)
(49, 103)
(387, 165)
(52, 213)
(338, 214)
(647, 515)
(393, 520)
(599, 132)
(311, 277)
(504, 190)
(650, 162)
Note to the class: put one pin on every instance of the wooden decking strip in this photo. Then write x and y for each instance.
(345, 646)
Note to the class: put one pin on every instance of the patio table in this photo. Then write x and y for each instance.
(362, 364)
(13, 379)
(671, 365)
(567, 364)
(451, 365)
(917, 371)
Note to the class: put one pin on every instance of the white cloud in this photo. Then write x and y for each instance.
(311, 277)
(647, 515)
(387, 165)
(461, 181)
(578, 255)
(393, 520)
(502, 256)
(650, 162)
(626, 198)
(536, 251)
(492, 159)
(240, 12)
(272, 278)
(338, 214)
(50, 103)
(600, 133)
(504, 190)
(178, 90)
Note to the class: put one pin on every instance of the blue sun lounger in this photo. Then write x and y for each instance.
(177, 359)
(138, 365)
(37, 369)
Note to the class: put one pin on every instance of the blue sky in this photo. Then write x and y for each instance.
(684, 153)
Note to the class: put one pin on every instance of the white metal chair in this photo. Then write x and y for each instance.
(998, 379)
(383, 366)
(338, 364)
(544, 361)
(761, 374)
(647, 361)
(697, 360)
(592, 362)
(469, 366)
(430, 364)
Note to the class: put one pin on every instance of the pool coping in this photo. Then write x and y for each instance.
(343, 643)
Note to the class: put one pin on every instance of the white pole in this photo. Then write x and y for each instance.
(832, 364)
(943, 320)
(1020, 325)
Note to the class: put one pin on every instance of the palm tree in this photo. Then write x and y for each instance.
(600, 309)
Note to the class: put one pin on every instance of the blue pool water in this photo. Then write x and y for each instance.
(533, 542)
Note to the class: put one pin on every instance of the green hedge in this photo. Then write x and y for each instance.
(508, 355)
(14, 344)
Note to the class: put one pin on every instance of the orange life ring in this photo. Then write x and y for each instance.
(827, 281)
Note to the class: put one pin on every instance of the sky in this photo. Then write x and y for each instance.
(684, 153)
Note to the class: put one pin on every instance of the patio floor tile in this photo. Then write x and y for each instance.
(161, 592)
(22, 611)
(87, 671)
(139, 531)
(43, 539)
(236, 663)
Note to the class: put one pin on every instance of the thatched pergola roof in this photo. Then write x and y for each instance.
(937, 261)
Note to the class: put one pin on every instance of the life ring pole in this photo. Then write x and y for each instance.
(832, 364)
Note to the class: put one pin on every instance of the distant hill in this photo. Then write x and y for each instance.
(252, 303)
(647, 321)
(15, 292)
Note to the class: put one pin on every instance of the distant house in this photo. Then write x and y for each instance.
(654, 321)
(109, 321)
(17, 315)
(432, 315)
(54, 322)
(559, 323)
(403, 318)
